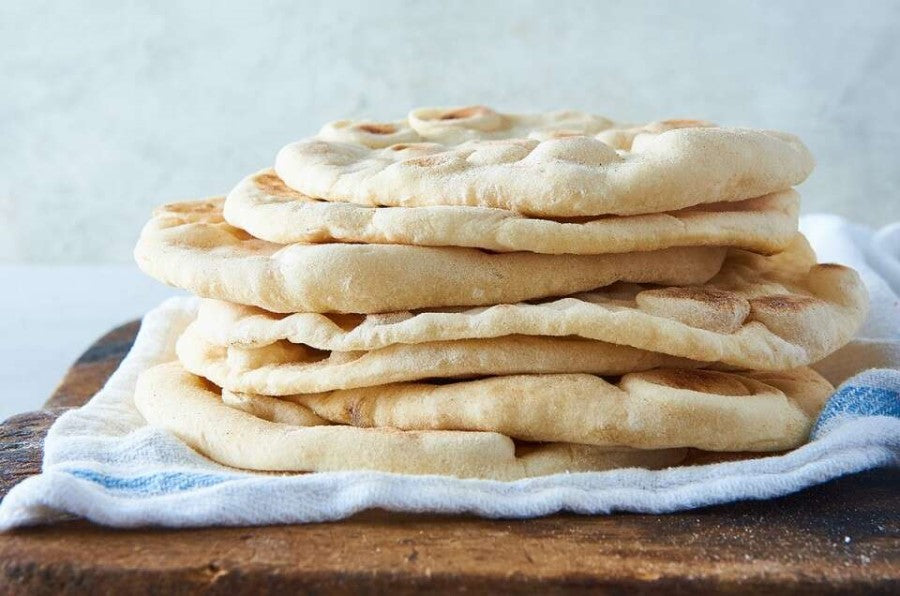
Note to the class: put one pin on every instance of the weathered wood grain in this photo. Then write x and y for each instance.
(843, 536)
(21, 441)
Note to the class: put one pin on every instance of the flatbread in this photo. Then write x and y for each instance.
(284, 368)
(190, 246)
(762, 313)
(656, 409)
(170, 398)
(557, 164)
(264, 206)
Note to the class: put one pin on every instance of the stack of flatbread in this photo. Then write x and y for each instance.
(490, 295)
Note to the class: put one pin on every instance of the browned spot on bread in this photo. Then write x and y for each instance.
(462, 113)
(428, 161)
(210, 206)
(832, 267)
(684, 123)
(564, 134)
(270, 183)
(709, 296)
(399, 147)
(376, 128)
(702, 381)
(784, 303)
(706, 308)
(353, 411)
(176, 214)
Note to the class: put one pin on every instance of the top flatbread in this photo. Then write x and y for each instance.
(558, 164)
(190, 246)
(267, 208)
(763, 313)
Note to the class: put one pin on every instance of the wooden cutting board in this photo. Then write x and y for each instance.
(843, 536)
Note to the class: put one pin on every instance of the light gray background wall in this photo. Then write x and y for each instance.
(110, 107)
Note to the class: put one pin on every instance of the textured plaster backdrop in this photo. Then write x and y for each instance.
(110, 107)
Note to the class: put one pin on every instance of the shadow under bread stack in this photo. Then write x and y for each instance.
(489, 295)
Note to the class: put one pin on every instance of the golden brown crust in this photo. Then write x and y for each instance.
(265, 206)
(802, 313)
(189, 246)
(574, 164)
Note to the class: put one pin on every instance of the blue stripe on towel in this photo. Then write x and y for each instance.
(152, 484)
(872, 393)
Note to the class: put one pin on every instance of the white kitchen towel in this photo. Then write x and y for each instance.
(102, 462)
